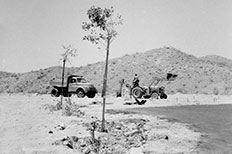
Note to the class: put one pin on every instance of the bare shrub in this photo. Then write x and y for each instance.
(215, 91)
(71, 109)
(52, 108)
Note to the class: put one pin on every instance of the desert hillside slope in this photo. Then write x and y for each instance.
(218, 60)
(207, 75)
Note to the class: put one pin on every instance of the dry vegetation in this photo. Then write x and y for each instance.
(205, 75)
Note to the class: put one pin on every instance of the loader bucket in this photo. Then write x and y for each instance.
(171, 77)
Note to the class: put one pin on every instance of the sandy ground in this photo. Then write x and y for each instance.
(25, 123)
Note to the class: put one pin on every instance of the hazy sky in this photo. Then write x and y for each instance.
(32, 32)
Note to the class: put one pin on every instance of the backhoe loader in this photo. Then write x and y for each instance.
(150, 91)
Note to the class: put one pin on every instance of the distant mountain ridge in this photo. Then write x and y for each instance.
(206, 75)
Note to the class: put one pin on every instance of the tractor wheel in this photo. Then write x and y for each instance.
(55, 93)
(80, 93)
(163, 96)
(137, 92)
(154, 96)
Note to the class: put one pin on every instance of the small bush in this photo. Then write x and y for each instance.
(215, 91)
(71, 109)
(52, 108)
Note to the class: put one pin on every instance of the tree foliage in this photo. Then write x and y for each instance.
(69, 52)
(102, 25)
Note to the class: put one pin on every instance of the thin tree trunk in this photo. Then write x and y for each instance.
(105, 85)
(62, 84)
(119, 94)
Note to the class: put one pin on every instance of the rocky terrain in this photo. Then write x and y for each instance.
(204, 75)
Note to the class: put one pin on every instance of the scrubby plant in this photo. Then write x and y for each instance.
(53, 108)
(71, 109)
(215, 91)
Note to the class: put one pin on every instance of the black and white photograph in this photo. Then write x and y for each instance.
(115, 77)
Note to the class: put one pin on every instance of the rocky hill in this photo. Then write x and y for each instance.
(207, 75)
(218, 60)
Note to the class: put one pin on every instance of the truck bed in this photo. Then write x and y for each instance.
(58, 83)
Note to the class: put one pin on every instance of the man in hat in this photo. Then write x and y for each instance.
(135, 82)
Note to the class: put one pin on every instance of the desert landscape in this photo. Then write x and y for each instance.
(202, 75)
(32, 124)
(32, 121)
(115, 77)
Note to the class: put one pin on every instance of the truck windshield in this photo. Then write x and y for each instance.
(81, 80)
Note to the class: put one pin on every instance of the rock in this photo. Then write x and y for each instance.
(74, 138)
(60, 127)
(166, 138)
(50, 132)
(70, 142)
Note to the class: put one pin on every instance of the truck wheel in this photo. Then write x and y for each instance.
(137, 92)
(154, 96)
(91, 95)
(163, 96)
(80, 93)
(55, 93)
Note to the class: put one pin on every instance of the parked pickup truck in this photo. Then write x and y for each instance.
(74, 84)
